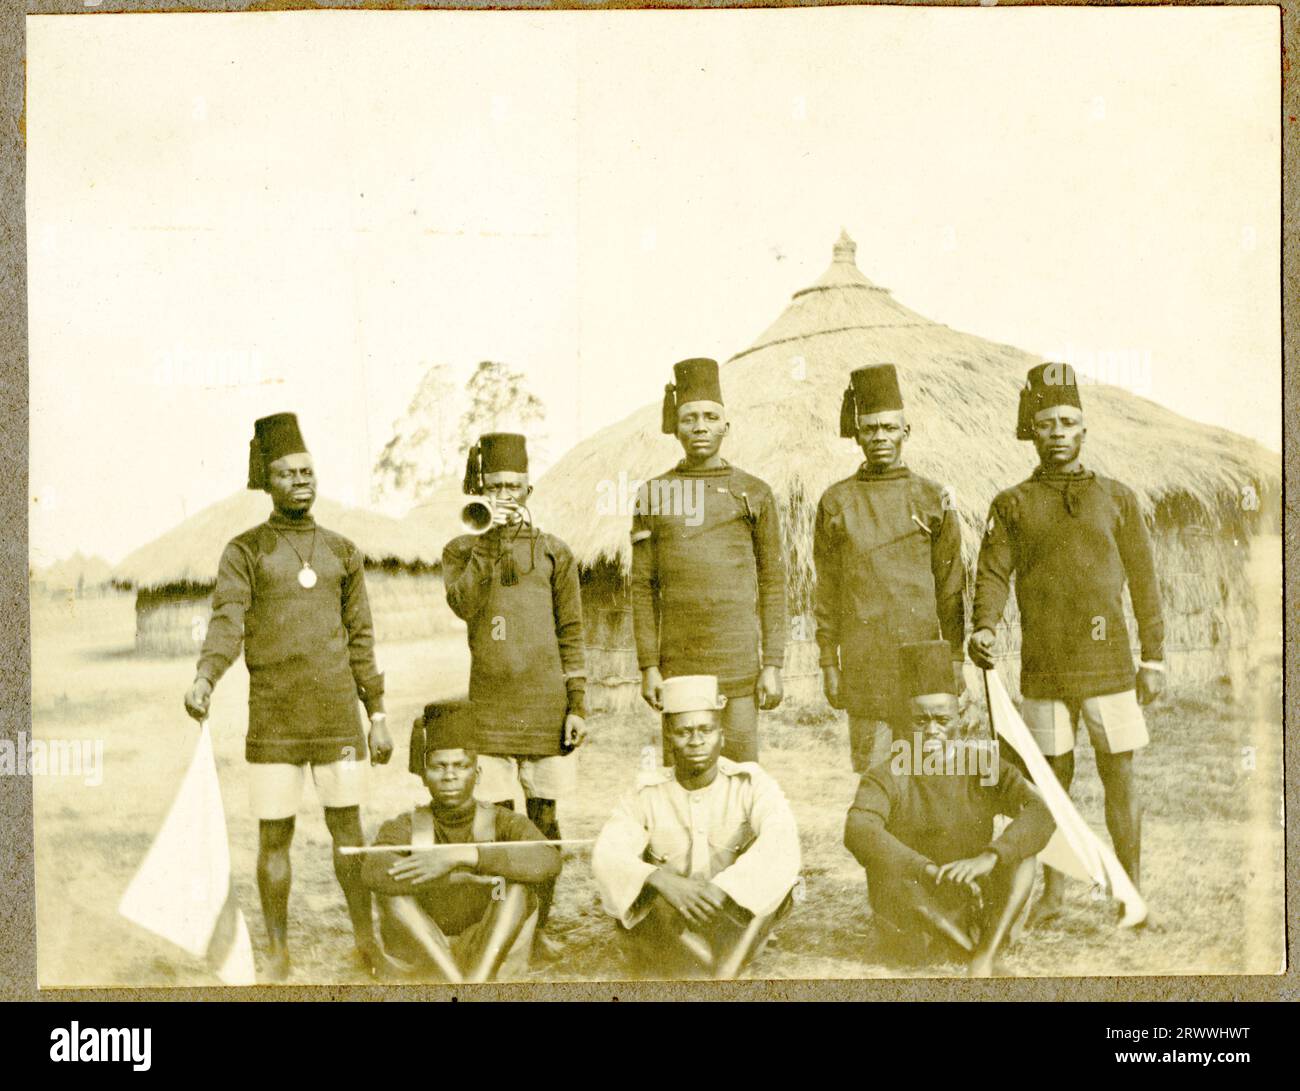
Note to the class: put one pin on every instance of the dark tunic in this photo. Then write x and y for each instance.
(525, 640)
(899, 822)
(1070, 565)
(708, 584)
(310, 653)
(455, 906)
(889, 572)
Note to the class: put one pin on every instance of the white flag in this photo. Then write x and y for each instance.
(1074, 848)
(183, 890)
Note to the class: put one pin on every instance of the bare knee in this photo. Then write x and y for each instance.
(344, 824)
(1116, 773)
(515, 898)
(274, 835)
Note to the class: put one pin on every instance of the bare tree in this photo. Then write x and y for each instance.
(499, 401)
(426, 444)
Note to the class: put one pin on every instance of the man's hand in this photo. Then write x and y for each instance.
(424, 867)
(831, 686)
(196, 701)
(1150, 685)
(575, 731)
(695, 899)
(381, 742)
(506, 513)
(959, 676)
(980, 647)
(769, 691)
(652, 688)
(965, 872)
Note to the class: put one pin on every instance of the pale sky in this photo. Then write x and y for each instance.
(231, 215)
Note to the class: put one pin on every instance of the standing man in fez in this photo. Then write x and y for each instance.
(699, 861)
(516, 588)
(887, 549)
(923, 829)
(461, 904)
(708, 574)
(1073, 539)
(294, 595)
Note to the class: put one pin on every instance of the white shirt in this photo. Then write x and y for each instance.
(739, 833)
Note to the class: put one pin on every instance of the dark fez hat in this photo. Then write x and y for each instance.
(494, 452)
(926, 668)
(273, 437)
(445, 725)
(872, 389)
(696, 381)
(1047, 385)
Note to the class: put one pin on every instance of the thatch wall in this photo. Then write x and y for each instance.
(172, 621)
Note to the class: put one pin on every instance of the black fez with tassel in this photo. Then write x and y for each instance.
(1046, 386)
(696, 381)
(445, 725)
(871, 389)
(926, 668)
(495, 452)
(273, 437)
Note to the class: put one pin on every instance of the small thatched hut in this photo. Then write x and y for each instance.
(1201, 487)
(77, 576)
(173, 576)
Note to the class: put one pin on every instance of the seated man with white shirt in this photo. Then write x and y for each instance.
(699, 861)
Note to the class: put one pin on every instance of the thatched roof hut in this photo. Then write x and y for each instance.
(77, 576)
(173, 575)
(1199, 486)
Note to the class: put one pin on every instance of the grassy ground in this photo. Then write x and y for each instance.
(1212, 840)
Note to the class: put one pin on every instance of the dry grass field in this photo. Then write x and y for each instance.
(1213, 841)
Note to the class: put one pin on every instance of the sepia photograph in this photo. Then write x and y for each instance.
(654, 496)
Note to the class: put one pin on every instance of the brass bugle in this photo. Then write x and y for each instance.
(476, 515)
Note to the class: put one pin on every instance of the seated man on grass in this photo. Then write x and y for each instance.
(922, 825)
(453, 906)
(699, 861)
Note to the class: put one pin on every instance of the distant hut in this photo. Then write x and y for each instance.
(77, 576)
(1202, 488)
(436, 521)
(174, 575)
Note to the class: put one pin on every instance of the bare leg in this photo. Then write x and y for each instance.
(1021, 883)
(1123, 811)
(1048, 907)
(740, 729)
(274, 875)
(402, 914)
(344, 824)
(505, 920)
(541, 812)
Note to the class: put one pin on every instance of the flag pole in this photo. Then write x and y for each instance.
(357, 850)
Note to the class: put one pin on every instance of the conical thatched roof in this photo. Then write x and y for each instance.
(783, 397)
(188, 554)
